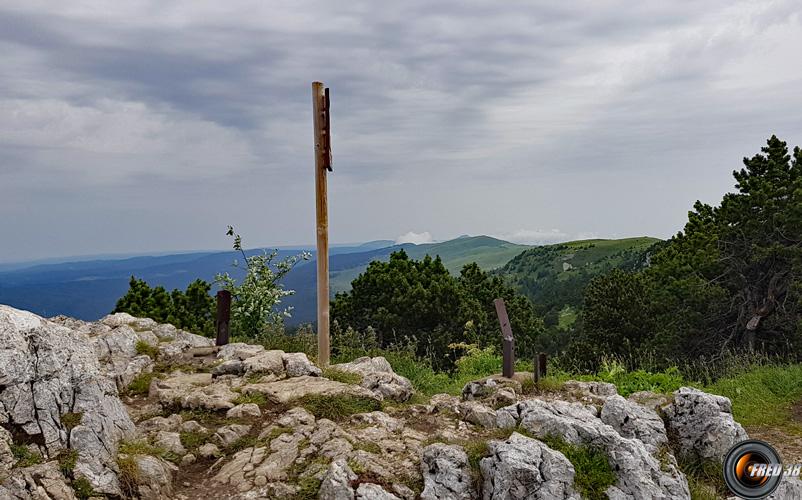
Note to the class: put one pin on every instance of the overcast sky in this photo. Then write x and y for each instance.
(135, 126)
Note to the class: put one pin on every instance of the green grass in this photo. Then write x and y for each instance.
(66, 462)
(342, 376)
(253, 397)
(276, 432)
(192, 440)
(764, 396)
(593, 472)
(128, 476)
(25, 457)
(143, 347)
(140, 385)
(566, 318)
(338, 407)
(83, 489)
(71, 420)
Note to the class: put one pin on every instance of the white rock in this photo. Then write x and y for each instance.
(446, 473)
(703, 424)
(228, 434)
(336, 483)
(170, 441)
(370, 491)
(632, 420)
(244, 410)
(524, 468)
(296, 364)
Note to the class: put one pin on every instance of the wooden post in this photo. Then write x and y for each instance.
(508, 343)
(541, 361)
(321, 120)
(223, 316)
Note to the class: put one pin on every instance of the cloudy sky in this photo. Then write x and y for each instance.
(134, 126)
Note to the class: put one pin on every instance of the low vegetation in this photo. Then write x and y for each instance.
(25, 456)
(140, 385)
(251, 397)
(143, 347)
(593, 472)
(338, 407)
(71, 420)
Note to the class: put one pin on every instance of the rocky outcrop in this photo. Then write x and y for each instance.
(640, 474)
(632, 420)
(446, 473)
(523, 468)
(378, 376)
(703, 424)
(43, 481)
(48, 371)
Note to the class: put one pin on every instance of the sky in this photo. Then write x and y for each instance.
(139, 126)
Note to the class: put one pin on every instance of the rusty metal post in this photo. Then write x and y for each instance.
(223, 316)
(507, 341)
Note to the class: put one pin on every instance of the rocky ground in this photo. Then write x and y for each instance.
(126, 407)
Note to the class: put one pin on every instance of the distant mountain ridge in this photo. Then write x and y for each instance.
(89, 289)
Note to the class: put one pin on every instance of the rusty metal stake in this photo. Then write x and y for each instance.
(223, 316)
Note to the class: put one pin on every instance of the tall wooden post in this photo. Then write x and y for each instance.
(321, 119)
(507, 341)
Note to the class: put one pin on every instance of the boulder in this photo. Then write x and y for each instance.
(229, 434)
(194, 390)
(378, 376)
(523, 468)
(42, 481)
(593, 392)
(703, 424)
(336, 483)
(229, 367)
(640, 474)
(632, 420)
(446, 473)
(478, 414)
(244, 410)
(48, 370)
(239, 351)
(265, 362)
(170, 441)
(155, 477)
(296, 364)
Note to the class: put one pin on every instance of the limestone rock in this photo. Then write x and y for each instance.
(703, 424)
(370, 491)
(296, 364)
(524, 468)
(477, 413)
(48, 370)
(265, 362)
(336, 483)
(228, 434)
(285, 391)
(208, 450)
(170, 441)
(229, 367)
(446, 473)
(632, 420)
(595, 392)
(649, 399)
(244, 410)
(38, 482)
(640, 474)
(239, 351)
(195, 390)
(379, 377)
(156, 424)
(155, 478)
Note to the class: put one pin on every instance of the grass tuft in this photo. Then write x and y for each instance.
(66, 462)
(128, 476)
(143, 347)
(193, 440)
(593, 472)
(338, 407)
(71, 420)
(25, 457)
(83, 489)
(253, 397)
(140, 385)
(342, 376)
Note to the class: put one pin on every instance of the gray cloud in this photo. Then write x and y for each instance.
(137, 126)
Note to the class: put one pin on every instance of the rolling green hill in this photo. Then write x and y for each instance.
(489, 253)
(554, 276)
